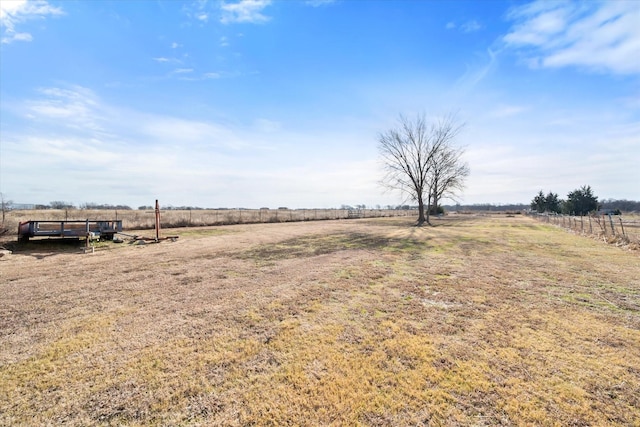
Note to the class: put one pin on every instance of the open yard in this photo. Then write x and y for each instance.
(480, 320)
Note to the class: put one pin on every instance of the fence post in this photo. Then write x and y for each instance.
(157, 212)
(622, 226)
(613, 229)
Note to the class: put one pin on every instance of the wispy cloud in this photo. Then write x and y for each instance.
(202, 16)
(599, 36)
(318, 3)
(504, 111)
(470, 26)
(15, 12)
(244, 11)
(475, 74)
(75, 154)
(18, 37)
(266, 125)
(71, 107)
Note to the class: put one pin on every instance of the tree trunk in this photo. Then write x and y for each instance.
(421, 219)
(428, 208)
(435, 198)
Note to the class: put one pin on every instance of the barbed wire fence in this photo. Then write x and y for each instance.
(172, 218)
(608, 227)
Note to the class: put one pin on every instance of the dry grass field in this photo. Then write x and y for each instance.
(480, 320)
(145, 219)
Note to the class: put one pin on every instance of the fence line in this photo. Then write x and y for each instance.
(141, 219)
(604, 226)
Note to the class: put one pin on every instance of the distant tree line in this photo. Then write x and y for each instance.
(96, 206)
(577, 201)
(173, 208)
(483, 207)
(58, 204)
(620, 205)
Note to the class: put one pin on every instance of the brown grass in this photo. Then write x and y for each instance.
(477, 321)
(145, 219)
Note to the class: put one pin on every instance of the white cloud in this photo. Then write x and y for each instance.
(471, 26)
(467, 27)
(175, 45)
(179, 160)
(224, 41)
(21, 37)
(161, 59)
(71, 107)
(514, 150)
(171, 129)
(15, 12)
(142, 154)
(318, 3)
(244, 11)
(268, 126)
(182, 70)
(599, 36)
(475, 74)
(508, 111)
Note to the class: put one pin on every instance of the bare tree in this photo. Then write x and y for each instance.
(447, 174)
(411, 154)
(4, 206)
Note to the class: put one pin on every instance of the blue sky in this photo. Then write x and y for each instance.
(259, 103)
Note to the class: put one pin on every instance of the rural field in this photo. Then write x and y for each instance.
(480, 320)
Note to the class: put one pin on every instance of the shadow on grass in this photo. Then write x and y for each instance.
(43, 248)
(310, 246)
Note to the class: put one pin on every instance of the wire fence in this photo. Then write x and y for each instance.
(619, 228)
(170, 218)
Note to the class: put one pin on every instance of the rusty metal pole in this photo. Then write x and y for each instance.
(157, 221)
